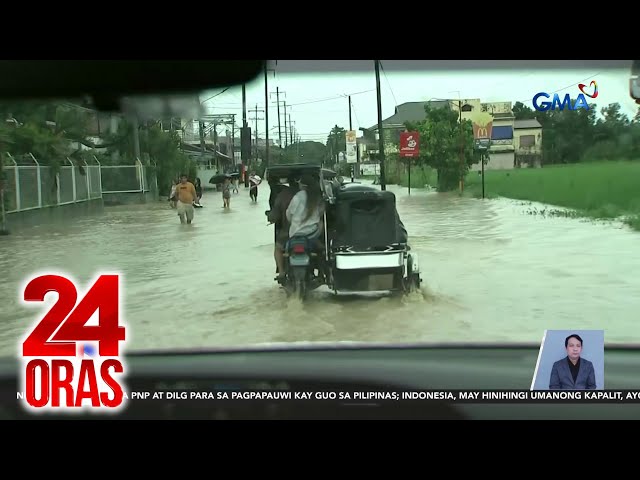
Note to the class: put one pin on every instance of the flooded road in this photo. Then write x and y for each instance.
(491, 273)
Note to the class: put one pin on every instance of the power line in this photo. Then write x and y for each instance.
(353, 107)
(214, 96)
(331, 98)
(389, 84)
(319, 100)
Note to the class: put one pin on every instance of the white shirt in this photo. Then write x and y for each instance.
(296, 213)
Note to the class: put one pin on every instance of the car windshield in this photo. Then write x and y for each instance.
(517, 189)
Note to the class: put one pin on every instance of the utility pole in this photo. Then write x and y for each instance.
(351, 128)
(214, 136)
(461, 147)
(266, 117)
(201, 127)
(286, 143)
(278, 92)
(294, 138)
(383, 185)
(461, 134)
(357, 167)
(256, 120)
(233, 143)
(243, 139)
(290, 130)
(244, 105)
(278, 112)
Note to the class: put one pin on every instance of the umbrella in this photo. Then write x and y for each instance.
(216, 179)
(220, 178)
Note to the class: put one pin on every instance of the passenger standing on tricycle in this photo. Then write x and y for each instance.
(277, 215)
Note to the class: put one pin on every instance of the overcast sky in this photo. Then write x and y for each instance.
(317, 100)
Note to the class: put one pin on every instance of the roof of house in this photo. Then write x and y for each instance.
(502, 115)
(527, 123)
(410, 112)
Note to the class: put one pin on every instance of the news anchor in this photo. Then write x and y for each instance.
(573, 372)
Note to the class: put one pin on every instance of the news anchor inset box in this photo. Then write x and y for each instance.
(570, 360)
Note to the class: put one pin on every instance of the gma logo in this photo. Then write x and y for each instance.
(557, 104)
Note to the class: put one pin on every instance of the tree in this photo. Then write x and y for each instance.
(164, 150)
(5, 143)
(306, 152)
(48, 130)
(522, 112)
(336, 143)
(446, 145)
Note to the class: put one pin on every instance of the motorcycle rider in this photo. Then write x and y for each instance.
(306, 209)
(305, 214)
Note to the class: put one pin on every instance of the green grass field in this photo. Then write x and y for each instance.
(597, 190)
(396, 174)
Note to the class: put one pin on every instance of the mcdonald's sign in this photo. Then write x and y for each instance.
(480, 132)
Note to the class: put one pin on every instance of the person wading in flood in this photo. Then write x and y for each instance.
(254, 181)
(172, 195)
(186, 194)
(198, 186)
(226, 193)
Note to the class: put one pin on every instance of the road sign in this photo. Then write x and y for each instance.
(409, 144)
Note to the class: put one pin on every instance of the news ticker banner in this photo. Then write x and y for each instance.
(355, 396)
(361, 397)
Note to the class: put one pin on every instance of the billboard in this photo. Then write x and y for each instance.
(352, 155)
(482, 129)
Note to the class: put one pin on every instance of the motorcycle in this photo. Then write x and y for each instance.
(301, 261)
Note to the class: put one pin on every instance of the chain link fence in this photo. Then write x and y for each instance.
(30, 184)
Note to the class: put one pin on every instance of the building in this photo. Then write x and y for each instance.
(502, 149)
(514, 143)
(528, 143)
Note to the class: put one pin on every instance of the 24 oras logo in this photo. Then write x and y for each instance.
(590, 90)
(58, 357)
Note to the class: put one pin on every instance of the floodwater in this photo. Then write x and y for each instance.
(491, 272)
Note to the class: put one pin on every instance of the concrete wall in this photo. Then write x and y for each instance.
(54, 214)
(497, 161)
(128, 198)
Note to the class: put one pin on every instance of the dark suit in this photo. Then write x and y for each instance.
(562, 379)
